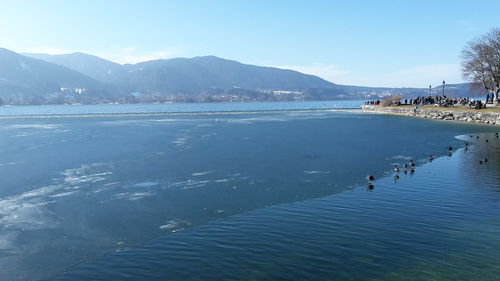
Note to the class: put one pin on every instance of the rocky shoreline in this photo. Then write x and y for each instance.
(473, 116)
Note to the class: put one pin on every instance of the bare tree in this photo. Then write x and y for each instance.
(481, 62)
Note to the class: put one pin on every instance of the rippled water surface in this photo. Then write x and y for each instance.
(412, 228)
(249, 196)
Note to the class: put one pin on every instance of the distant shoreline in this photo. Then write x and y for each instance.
(489, 116)
(146, 114)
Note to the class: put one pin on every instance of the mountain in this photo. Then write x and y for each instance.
(92, 66)
(25, 78)
(82, 78)
(185, 75)
(199, 74)
(207, 78)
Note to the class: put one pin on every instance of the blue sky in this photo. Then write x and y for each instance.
(370, 43)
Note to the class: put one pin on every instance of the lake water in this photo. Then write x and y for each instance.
(173, 108)
(270, 192)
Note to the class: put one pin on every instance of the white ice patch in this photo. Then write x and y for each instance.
(208, 136)
(197, 181)
(139, 195)
(132, 196)
(81, 174)
(43, 191)
(166, 120)
(317, 172)
(26, 211)
(20, 135)
(182, 138)
(202, 173)
(195, 184)
(191, 183)
(12, 163)
(110, 183)
(62, 194)
(180, 141)
(174, 225)
(171, 224)
(35, 126)
(401, 157)
(123, 122)
(222, 180)
(145, 184)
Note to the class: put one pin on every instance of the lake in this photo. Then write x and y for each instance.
(261, 191)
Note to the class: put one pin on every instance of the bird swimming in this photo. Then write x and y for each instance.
(430, 157)
(412, 164)
(405, 165)
(370, 177)
(396, 177)
(485, 160)
(396, 169)
(450, 148)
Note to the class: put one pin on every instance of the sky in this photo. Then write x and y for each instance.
(367, 43)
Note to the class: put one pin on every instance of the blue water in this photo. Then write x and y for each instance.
(165, 108)
(409, 229)
(257, 195)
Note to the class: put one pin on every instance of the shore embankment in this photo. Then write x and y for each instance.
(460, 114)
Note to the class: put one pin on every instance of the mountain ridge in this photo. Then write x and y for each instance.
(83, 78)
(100, 69)
(23, 77)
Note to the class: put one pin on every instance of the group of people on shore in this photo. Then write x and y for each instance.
(372, 102)
(442, 101)
(445, 101)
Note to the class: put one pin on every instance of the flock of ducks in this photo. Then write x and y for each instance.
(411, 165)
(481, 162)
(407, 167)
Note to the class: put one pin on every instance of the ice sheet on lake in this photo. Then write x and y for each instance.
(28, 210)
(82, 175)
